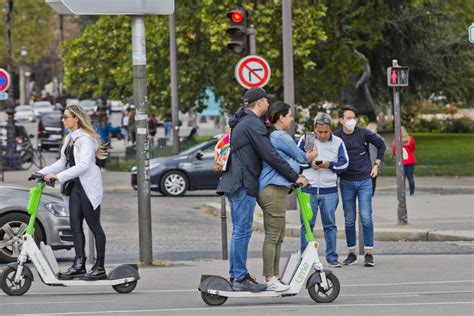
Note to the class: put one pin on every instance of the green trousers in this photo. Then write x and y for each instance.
(273, 201)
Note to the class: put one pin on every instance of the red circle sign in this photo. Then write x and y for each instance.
(252, 72)
(4, 80)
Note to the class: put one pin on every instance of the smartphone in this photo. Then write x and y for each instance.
(309, 141)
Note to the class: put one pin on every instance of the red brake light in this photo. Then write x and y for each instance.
(40, 127)
(237, 17)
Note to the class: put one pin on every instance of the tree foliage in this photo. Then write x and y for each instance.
(325, 35)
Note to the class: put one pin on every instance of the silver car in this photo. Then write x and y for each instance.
(52, 222)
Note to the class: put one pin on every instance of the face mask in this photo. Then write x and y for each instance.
(350, 124)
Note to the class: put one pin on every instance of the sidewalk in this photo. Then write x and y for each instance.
(441, 210)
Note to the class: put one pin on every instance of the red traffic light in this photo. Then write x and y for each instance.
(237, 17)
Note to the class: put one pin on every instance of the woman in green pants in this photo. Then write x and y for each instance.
(274, 191)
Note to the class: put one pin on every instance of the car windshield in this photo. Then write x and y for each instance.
(42, 105)
(52, 120)
(87, 104)
(192, 149)
(23, 108)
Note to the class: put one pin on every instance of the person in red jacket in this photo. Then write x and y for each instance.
(409, 158)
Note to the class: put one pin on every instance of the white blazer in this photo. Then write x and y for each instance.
(85, 168)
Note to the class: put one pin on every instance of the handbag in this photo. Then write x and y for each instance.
(67, 187)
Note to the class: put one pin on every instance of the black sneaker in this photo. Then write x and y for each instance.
(350, 260)
(369, 260)
(248, 284)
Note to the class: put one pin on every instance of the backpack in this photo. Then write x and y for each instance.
(222, 152)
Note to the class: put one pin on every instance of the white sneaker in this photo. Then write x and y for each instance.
(275, 285)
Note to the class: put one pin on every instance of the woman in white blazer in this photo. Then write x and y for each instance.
(81, 187)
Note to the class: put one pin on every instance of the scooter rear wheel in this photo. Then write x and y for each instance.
(319, 295)
(8, 281)
(125, 288)
(213, 300)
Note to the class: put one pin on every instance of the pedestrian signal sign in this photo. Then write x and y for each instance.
(397, 76)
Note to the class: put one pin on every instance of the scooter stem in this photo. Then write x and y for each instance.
(304, 200)
(33, 204)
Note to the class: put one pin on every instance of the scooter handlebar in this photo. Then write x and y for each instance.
(40, 178)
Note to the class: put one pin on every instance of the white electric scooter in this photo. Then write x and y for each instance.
(17, 277)
(323, 286)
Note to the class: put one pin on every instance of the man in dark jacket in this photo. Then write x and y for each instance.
(356, 181)
(250, 146)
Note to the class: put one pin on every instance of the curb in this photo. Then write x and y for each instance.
(380, 234)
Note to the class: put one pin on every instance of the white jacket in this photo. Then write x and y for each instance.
(85, 168)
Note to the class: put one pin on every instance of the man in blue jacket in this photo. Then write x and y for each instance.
(322, 174)
(356, 181)
(250, 145)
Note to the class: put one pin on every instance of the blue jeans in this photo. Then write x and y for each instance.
(242, 207)
(408, 173)
(327, 204)
(361, 190)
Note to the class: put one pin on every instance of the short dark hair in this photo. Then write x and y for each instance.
(348, 107)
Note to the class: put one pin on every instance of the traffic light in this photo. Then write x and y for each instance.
(237, 30)
(397, 76)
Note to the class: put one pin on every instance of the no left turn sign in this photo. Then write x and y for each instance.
(252, 72)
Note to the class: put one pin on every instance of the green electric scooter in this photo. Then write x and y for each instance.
(300, 270)
(17, 277)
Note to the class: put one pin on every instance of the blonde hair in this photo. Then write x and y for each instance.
(405, 137)
(84, 122)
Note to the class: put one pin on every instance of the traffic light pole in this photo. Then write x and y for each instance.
(251, 32)
(174, 87)
(288, 77)
(143, 171)
(402, 206)
(11, 152)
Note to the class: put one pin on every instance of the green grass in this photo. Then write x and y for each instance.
(439, 155)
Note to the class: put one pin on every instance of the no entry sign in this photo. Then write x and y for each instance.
(4, 80)
(252, 72)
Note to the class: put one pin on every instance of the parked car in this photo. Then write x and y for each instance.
(72, 101)
(52, 222)
(117, 106)
(24, 113)
(89, 105)
(191, 169)
(50, 130)
(41, 107)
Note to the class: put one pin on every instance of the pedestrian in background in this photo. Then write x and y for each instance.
(322, 175)
(124, 125)
(274, 189)
(409, 159)
(373, 155)
(131, 124)
(250, 146)
(356, 183)
(81, 187)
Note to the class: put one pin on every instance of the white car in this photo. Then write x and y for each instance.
(117, 105)
(41, 107)
(24, 113)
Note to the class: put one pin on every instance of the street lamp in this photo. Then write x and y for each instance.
(24, 52)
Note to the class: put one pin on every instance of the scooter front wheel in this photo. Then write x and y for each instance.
(212, 299)
(125, 288)
(8, 281)
(320, 295)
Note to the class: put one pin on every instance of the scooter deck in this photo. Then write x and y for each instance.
(251, 294)
(91, 282)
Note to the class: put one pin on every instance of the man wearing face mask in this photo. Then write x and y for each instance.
(356, 181)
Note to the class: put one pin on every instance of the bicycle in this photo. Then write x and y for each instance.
(24, 158)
